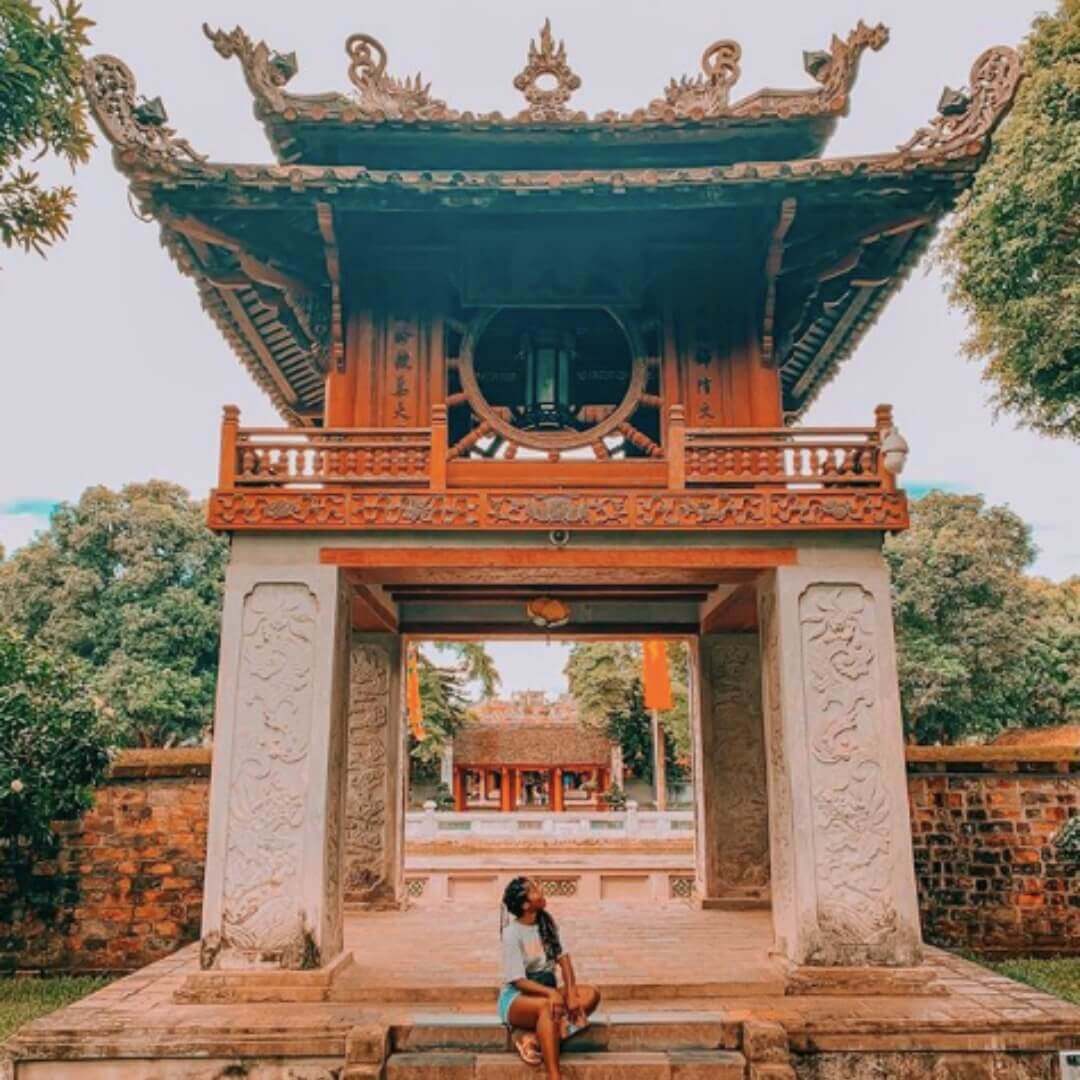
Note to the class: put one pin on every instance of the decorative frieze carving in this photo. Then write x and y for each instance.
(285, 510)
(367, 784)
(262, 910)
(737, 770)
(853, 848)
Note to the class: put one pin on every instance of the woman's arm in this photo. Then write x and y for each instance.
(535, 989)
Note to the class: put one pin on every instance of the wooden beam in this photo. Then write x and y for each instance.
(774, 262)
(371, 612)
(325, 216)
(736, 613)
(675, 558)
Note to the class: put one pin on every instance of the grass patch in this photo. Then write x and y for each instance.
(23, 1000)
(1060, 977)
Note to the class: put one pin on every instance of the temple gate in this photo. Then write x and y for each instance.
(553, 362)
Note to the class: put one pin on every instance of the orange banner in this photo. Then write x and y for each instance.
(412, 698)
(654, 675)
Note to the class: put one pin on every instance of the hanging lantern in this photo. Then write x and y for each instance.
(547, 612)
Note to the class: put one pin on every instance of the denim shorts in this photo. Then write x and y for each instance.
(507, 995)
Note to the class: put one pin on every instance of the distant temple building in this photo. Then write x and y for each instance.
(529, 752)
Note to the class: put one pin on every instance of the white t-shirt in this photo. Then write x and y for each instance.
(523, 954)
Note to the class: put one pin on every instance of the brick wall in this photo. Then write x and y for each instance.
(983, 824)
(125, 887)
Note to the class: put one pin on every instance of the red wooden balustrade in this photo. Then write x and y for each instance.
(733, 458)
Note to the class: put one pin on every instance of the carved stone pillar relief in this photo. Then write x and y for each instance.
(734, 860)
(273, 894)
(844, 890)
(373, 812)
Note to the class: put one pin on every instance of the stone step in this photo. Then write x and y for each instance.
(613, 1031)
(611, 1065)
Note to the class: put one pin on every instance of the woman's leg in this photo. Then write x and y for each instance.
(534, 1014)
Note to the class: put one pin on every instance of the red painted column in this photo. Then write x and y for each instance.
(506, 790)
(459, 790)
(557, 791)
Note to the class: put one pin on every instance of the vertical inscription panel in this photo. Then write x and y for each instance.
(854, 852)
(368, 790)
(733, 663)
(262, 905)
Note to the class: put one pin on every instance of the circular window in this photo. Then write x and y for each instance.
(551, 380)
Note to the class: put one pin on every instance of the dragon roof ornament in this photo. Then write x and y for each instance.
(134, 126)
(547, 81)
(967, 117)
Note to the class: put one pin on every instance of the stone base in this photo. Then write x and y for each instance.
(240, 987)
(735, 902)
(859, 982)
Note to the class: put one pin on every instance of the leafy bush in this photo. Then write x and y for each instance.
(53, 744)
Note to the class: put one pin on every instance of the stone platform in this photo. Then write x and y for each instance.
(688, 994)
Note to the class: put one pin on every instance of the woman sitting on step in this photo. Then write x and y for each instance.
(538, 1013)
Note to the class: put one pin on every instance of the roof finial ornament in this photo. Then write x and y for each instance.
(966, 117)
(382, 94)
(547, 102)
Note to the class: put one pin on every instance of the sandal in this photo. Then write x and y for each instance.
(528, 1048)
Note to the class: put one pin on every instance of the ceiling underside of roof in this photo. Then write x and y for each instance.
(258, 251)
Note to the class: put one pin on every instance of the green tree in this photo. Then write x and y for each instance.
(127, 585)
(605, 680)
(1012, 252)
(444, 700)
(980, 645)
(42, 111)
(53, 744)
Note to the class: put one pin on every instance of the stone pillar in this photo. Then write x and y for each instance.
(731, 790)
(617, 779)
(843, 883)
(446, 765)
(274, 853)
(377, 773)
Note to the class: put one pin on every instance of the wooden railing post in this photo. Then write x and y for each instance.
(230, 425)
(883, 421)
(440, 447)
(676, 448)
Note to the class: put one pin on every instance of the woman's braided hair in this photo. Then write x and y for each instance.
(515, 895)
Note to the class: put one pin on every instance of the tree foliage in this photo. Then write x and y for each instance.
(42, 111)
(53, 743)
(444, 699)
(980, 645)
(1012, 253)
(127, 586)
(605, 680)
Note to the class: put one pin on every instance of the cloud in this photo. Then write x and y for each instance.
(21, 518)
(917, 491)
(36, 507)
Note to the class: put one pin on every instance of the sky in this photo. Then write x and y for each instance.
(112, 373)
